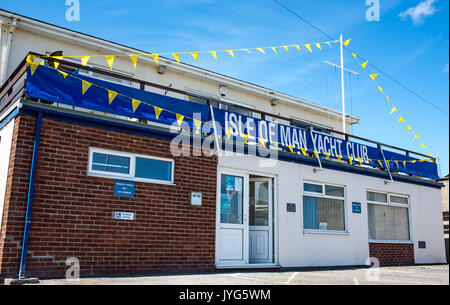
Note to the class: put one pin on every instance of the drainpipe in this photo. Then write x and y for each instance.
(5, 53)
(26, 233)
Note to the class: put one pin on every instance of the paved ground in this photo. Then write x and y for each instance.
(410, 275)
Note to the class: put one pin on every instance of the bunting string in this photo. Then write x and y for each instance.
(394, 108)
(135, 104)
(84, 59)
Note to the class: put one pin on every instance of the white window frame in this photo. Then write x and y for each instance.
(392, 204)
(323, 195)
(131, 175)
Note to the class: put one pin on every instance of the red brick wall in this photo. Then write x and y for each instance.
(73, 213)
(392, 254)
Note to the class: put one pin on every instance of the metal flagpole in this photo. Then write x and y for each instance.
(342, 84)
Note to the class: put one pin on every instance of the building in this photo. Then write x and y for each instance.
(445, 211)
(105, 188)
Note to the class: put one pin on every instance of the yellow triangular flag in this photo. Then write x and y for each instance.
(111, 96)
(339, 157)
(246, 50)
(379, 162)
(245, 136)
(347, 42)
(408, 127)
(354, 55)
(33, 68)
(396, 163)
(413, 161)
(350, 160)
(176, 56)
(286, 48)
(274, 49)
(85, 86)
(393, 110)
(291, 148)
(275, 145)
(373, 76)
(135, 104)
(110, 60)
(416, 136)
(179, 119)
(364, 64)
(308, 47)
(84, 60)
(56, 64)
(318, 46)
(423, 146)
(360, 161)
(261, 50)
(157, 111)
(64, 74)
(328, 43)
(195, 55)
(379, 88)
(304, 151)
(198, 125)
(298, 47)
(262, 141)
(214, 54)
(328, 155)
(404, 164)
(401, 119)
(228, 133)
(30, 59)
(231, 52)
(387, 97)
(156, 58)
(134, 59)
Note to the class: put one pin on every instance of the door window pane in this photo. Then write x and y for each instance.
(259, 203)
(231, 199)
(153, 169)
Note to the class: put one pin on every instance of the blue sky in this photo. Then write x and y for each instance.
(410, 42)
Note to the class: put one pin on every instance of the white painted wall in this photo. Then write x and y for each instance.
(6, 134)
(298, 248)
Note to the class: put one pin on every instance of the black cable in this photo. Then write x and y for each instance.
(349, 50)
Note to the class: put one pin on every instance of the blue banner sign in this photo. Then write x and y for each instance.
(356, 207)
(48, 84)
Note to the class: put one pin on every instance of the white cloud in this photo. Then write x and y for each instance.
(419, 12)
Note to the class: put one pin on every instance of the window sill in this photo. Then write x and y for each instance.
(326, 232)
(375, 241)
(90, 174)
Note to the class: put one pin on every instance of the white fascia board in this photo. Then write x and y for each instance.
(110, 47)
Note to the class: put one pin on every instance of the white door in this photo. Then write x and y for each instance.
(260, 221)
(232, 219)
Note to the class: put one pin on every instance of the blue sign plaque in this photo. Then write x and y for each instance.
(356, 207)
(124, 188)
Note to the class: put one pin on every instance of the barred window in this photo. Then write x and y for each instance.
(323, 207)
(389, 219)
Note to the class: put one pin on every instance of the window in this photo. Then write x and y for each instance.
(120, 165)
(388, 217)
(323, 207)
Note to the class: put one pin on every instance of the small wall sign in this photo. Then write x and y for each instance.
(124, 215)
(196, 198)
(290, 207)
(124, 188)
(356, 207)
